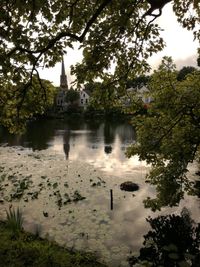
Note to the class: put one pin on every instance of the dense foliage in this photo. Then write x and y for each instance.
(121, 34)
(184, 72)
(72, 96)
(17, 104)
(172, 241)
(169, 133)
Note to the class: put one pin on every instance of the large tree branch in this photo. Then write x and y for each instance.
(61, 35)
(94, 17)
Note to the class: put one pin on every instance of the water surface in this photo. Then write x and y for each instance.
(62, 157)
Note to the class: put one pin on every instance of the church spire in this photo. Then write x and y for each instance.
(63, 68)
(63, 77)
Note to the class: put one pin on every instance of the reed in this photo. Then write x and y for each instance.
(14, 220)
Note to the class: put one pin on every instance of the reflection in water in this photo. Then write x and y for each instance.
(171, 185)
(173, 241)
(109, 133)
(99, 143)
(169, 192)
(66, 143)
(40, 134)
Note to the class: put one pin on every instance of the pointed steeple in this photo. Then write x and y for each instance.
(63, 68)
(63, 77)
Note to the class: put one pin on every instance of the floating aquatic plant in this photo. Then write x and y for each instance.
(35, 195)
(67, 199)
(77, 196)
(55, 185)
(66, 184)
(2, 177)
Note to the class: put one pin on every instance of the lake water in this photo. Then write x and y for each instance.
(62, 158)
(102, 144)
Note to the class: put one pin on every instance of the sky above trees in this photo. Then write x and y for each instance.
(179, 45)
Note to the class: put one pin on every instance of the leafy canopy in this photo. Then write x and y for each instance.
(184, 72)
(72, 96)
(121, 34)
(17, 104)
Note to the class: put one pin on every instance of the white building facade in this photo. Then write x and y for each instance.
(84, 98)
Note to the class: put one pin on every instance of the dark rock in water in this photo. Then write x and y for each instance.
(108, 149)
(129, 186)
(197, 173)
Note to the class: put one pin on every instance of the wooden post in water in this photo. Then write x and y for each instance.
(111, 199)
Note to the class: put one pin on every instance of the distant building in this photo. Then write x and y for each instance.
(141, 92)
(145, 95)
(61, 104)
(84, 98)
(60, 101)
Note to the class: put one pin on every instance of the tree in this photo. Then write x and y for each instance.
(172, 241)
(72, 96)
(92, 86)
(123, 34)
(198, 58)
(182, 74)
(138, 81)
(17, 106)
(103, 97)
(169, 133)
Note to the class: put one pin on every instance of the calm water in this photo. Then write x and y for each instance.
(100, 143)
(90, 223)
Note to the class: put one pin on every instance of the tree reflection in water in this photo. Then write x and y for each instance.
(173, 241)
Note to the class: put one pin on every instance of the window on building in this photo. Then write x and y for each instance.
(81, 101)
(86, 100)
(83, 95)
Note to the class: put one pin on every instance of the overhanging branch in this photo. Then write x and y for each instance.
(61, 35)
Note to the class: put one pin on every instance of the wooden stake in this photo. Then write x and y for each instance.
(111, 199)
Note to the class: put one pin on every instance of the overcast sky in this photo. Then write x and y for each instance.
(179, 45)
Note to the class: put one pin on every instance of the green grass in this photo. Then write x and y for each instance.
(29, 250)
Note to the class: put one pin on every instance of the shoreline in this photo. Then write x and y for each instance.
(26, 249)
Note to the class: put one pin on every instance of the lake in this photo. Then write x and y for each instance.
(69, 168)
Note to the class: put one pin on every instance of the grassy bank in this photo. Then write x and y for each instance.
(23, 249)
